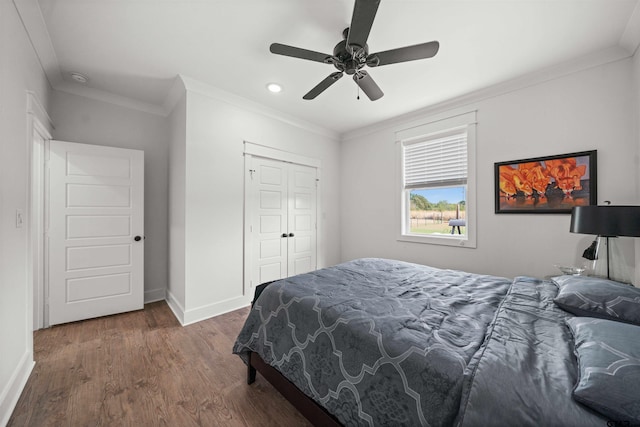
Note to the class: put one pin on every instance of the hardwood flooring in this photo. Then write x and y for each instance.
(144, 369)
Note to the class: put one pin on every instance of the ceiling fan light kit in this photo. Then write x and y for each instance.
(352, 53)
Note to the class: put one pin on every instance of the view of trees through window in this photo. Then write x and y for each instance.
(433, 208)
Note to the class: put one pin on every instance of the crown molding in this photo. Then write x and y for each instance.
(35, 107)
(586, 62)
(35, 26)
(177, 90)
(110, 98)
(196, 86)
(36, 29)
(630, 39)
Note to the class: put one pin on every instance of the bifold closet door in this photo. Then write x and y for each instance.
(301, 243)
(282, 203)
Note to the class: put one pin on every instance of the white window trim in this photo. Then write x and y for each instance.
(421, 131)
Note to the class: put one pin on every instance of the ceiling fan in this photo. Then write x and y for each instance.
(352, 53)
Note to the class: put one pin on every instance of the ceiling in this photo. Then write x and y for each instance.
(133, 49)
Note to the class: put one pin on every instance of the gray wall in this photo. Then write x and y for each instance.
(88, 121)
(20, 71)
(636, 159)
(590, 109)
(211, 190)
(177, 184)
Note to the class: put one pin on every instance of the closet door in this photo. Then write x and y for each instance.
(269, 219)
(281, 204)
(301, 248)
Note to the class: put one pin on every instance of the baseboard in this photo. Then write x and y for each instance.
(11, 393)
(211, 310)
(176, 307)
(187, 317)
(155, 295)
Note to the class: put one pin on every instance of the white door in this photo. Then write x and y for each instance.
(95, 227)
(269, 224)
(282, 204)
(301, 248)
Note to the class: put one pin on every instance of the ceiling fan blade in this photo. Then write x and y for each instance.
(364, 12)
(296, 52)
(323, 85)
(368, 85)
(404, 54)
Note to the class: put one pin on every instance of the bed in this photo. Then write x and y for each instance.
(383, 342)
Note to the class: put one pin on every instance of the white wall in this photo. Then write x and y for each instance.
(20, 72)
(214, 186)
(586, 110)
(80, 119)
(636, 99)
(177, 186)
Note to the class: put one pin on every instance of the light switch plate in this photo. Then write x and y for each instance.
(19, 218)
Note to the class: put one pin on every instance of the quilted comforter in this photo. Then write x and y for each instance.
(390, 343)
(375, 341)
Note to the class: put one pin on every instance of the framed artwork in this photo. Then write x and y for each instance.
(552, 184)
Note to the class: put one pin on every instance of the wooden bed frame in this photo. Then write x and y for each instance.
(315, 413)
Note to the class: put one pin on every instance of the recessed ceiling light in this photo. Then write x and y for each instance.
(79, 77)
(274, 87)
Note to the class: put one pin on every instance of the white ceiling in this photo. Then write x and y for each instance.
(133, 49)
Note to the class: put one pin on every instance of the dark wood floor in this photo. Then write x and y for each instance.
(144, 369)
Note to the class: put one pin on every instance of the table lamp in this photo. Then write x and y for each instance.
(605, 221)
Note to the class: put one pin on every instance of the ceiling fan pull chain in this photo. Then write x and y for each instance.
(358, 97)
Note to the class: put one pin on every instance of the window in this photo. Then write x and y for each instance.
(437, 163)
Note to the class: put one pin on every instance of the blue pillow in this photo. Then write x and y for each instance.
(596, 297)
(609, 367)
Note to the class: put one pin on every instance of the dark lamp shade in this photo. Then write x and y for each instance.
(606, 220)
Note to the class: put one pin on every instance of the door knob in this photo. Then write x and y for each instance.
(290, 234)
(137, 238)
(284, 235)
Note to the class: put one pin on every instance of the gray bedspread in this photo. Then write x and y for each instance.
(376, 342)
(525, 371)
(388, 343)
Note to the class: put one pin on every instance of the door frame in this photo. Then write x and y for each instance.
(38, 121)
(252, 150)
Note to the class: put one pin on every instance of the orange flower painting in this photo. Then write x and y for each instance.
(547, 184)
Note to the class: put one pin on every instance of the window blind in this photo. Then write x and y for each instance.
(436, 162)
